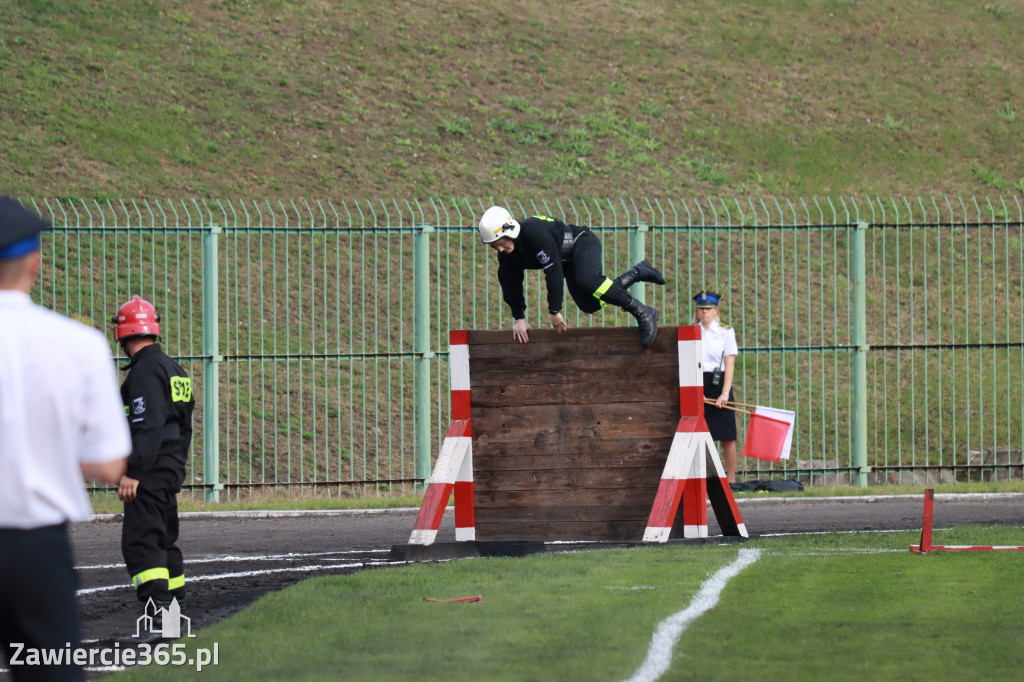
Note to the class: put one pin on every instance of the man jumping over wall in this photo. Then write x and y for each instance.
(568, 253)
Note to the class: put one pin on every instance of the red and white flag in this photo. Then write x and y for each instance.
(769, 434)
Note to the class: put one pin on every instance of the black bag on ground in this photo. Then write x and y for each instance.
(789, 485)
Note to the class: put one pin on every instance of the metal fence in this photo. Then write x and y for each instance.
(317, 330)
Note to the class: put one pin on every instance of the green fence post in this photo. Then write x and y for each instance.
(860, 359)
(423, 354)
(638, 237)
(211, 366)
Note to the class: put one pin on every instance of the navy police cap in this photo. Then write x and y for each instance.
(707, 299)
(19, 229)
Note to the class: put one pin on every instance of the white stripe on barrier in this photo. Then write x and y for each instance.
(422, 536)
(449, 462)
(458, 360)
(689, 364)
(659, 655)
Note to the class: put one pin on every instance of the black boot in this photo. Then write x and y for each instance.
(148, 629)
(641, 272)
(646, 318)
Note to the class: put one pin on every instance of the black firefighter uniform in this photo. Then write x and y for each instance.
(157, 395)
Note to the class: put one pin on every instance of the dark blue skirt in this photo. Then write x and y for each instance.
(721, 423)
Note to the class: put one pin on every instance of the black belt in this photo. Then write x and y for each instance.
(568, 242)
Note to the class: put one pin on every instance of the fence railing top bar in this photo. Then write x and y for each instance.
(406, 213)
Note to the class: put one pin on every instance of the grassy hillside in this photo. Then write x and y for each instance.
(360, 99)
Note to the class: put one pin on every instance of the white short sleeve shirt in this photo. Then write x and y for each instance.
(717, 341)
(59, 406)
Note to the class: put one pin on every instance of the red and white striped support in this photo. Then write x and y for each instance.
(926, 545)
(685, 477)
(454, 468)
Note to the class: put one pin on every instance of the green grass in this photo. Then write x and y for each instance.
(831, 606)
(301, 99)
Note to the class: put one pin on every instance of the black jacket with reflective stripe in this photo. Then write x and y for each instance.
(538, 247)
(158, 401)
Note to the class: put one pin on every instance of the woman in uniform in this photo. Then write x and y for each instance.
(718, 343)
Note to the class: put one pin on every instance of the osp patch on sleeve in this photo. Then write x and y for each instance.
(181, 389)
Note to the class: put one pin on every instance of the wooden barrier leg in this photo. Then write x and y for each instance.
(695, 492)
(673, 478)
(454, 449)
(722, 501)
(465, 512)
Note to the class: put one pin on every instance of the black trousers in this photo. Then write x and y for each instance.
(149, 537)
(38, 607)
(584, 275)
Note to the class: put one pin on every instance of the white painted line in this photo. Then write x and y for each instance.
(659, 655)
(247, 557)
(242, 574)
(841, 532)
(854, 499)
(279, 514)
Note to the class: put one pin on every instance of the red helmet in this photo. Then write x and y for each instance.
(136, 318)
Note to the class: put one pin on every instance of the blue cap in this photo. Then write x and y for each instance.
(707, 299)
(19, 229)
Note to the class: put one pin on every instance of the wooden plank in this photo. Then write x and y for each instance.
(575, 393)
(504, 376)
(526, 432)
(649, 453)
(491, 419)
(561, 364)
(597, 513)
(582, 342)
(549, 336)
(547, 531)
(514, 501)
(581, 479)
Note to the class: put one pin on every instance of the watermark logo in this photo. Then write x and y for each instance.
(167, 622)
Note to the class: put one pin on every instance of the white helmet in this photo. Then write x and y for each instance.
(496, 223)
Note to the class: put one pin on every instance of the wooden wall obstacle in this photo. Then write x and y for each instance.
(577, 436)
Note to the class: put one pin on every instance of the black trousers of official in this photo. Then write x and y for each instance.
(38, 607)
(584, 275)
(149, 537)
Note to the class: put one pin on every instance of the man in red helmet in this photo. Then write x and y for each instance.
(157, 396)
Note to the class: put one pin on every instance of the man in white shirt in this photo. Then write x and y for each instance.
(61, 419)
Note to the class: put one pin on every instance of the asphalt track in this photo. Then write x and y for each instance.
(233, 558)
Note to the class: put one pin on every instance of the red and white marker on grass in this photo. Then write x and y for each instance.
(926, 545)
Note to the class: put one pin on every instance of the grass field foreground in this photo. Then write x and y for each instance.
(829, 606)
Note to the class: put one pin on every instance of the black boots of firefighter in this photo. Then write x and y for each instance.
(646, 319)
(149, 629)
(641, 272)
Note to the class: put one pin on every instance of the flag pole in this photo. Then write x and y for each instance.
(709, 401)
